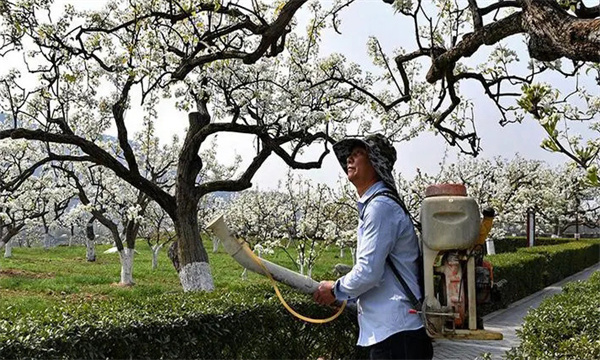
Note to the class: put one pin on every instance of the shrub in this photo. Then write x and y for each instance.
(513, 243)
(231, 326)
(519, 271)
(564, 260)
(531, 269)
(566, 325)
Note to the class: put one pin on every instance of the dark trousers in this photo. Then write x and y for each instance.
(412, 344)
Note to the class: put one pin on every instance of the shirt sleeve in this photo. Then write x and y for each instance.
(379, 233)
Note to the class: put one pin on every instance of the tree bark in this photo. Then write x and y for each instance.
(90, 241)
(7, 249)
(155, 250)
(172, 253)
(195, 274)
(47, 238)
(554, 33)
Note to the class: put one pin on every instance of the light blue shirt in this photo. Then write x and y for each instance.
(382, 304)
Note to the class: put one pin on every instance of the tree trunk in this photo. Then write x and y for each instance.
(215, 243)
(195, 274)
(90, 245)
(301, 267)
(353, 253)
(90, 250)
(126, 256)
(155, 250)
(47, 240)
(172, 253)
(7, 249)
(341, 252)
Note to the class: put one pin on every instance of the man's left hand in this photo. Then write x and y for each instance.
(324, 293)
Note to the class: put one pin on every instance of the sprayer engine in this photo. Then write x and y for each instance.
(456, 278)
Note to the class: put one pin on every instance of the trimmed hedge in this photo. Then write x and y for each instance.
(201, 326)
(531, 269)
(565, 326)
(513, 243)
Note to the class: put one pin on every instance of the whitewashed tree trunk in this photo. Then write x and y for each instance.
(215, 243)
(341, 252)
(126, 266)
(22, 239)
(196, 276)
(353, 253)
(7, 249)
(309, 272)
(47, 238)
(90, 252)
(155, 250)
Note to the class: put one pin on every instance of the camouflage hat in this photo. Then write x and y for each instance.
(381, 154)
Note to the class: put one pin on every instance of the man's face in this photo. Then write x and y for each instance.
(359, 166)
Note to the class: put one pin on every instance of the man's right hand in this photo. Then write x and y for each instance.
(324, 293)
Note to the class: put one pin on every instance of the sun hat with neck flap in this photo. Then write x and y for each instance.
(380, 150)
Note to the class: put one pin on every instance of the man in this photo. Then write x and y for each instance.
(384, 229)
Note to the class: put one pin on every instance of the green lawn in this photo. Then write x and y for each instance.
(35, 278)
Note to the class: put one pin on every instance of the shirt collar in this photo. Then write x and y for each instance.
(370, 191)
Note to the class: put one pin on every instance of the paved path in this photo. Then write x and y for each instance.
(506, 321)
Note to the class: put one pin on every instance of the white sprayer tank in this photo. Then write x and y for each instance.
(449, 218)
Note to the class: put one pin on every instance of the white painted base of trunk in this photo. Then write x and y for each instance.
(215, 243)
(196, 277)
(7, 250)
(155, 250)
(47, 240)
(126, 266)
(90, 253)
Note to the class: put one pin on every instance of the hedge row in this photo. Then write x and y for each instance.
(201, 326)
(513, 243)
(531, 269)
(565, 326)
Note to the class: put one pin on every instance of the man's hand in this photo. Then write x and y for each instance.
(324, 293)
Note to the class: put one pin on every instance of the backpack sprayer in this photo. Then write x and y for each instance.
(456, 278)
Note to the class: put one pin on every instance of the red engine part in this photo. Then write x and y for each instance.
(455, 291)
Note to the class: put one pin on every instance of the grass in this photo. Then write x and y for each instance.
(34, 278)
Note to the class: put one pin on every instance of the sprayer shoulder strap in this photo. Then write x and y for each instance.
(411, 296)
(393, 196)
